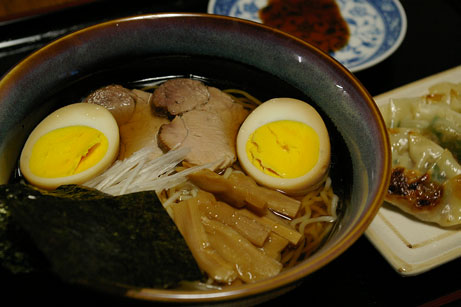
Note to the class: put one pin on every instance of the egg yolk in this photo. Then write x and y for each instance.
(284, 149)
(67, 151)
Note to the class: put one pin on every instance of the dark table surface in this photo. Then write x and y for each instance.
(360, 276)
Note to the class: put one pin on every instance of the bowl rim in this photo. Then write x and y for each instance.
(286, 278)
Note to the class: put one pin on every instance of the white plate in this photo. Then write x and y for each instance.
(409, 245)
(377, 27)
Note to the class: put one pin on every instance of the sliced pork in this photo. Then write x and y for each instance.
(141, 129)
(118, 100)
(180, 95)
(138, 124)
(209, 129)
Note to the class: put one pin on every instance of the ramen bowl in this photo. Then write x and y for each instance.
(226, 52)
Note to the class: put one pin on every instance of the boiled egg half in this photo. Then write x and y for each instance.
(284, 144)
(70, 146)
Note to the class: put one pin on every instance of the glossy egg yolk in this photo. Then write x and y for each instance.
(283, 144)
(67, 151)
(284, 148)
(70, 146)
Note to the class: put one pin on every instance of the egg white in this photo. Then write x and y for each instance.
(285, 109)
(78, 114)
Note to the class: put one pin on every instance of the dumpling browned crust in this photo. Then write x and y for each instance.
(418, 192)
(421, 196)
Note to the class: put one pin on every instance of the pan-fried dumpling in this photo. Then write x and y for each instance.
(426, 178)
(425, 135)
(436, 115)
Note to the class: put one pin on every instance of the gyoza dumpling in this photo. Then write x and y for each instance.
(436, 116)
(426, 179)
(425, 134)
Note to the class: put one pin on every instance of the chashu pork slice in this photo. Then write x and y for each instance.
(179, 95)
(209, 130)
(120, 101)
(138, 124)
(141, 129)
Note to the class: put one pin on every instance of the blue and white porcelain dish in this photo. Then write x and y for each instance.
(377, 27)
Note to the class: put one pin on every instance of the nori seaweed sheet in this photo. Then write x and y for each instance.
(18, 253)
(92, 237)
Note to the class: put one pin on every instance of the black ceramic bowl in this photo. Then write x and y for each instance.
(225, 52)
